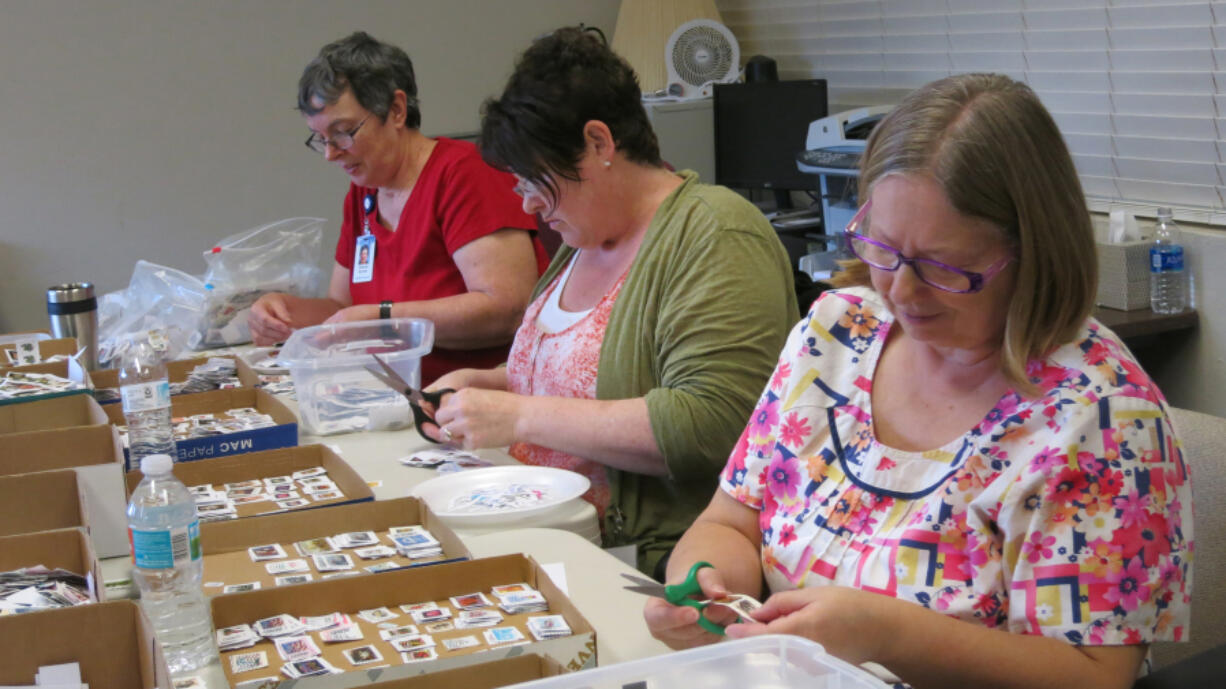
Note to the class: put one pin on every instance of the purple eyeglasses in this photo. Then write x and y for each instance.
(934, 273)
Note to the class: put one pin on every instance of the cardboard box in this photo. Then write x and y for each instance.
(64, 548)
(496, 673)
(96, 454)
(176, 372)
(284, 434)
(59, 412)
(11, 338)
(261, 465)
(391, 589)
(1123, 275)
(225, 543)
(41, 501)
(64, 346)
(112, 642)
(70, 369)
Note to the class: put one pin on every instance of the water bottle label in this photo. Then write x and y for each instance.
(164, 548)
(140, 397)
(1166, 259)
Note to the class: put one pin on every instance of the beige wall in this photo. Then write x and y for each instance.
(151, 128)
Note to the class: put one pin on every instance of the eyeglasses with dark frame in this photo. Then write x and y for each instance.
(343, 140)
(933, 273)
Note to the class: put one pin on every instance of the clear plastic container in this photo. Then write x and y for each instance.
(328, 366)
(773, 661)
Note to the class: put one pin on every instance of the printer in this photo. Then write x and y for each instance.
(836, 142)
(832, 151)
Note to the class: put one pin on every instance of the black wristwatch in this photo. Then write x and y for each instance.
(385, 309)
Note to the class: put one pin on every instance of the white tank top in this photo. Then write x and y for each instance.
(552, 318)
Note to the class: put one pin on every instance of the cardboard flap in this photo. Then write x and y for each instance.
(496, 673)
(178, 371)
(40, 501)
(60, 412)
(63, 346)
(111, 642)
(47, 450)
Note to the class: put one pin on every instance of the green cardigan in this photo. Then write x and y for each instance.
(697, 330)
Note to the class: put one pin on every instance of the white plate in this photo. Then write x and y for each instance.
(439, 493)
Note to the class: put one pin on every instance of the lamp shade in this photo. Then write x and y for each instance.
(642, 32)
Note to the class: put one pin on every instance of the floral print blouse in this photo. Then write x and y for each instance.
(1068, 514)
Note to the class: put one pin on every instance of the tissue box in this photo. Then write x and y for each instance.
(1123, 275)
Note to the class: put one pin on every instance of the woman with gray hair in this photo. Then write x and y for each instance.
(955, 471)
(442, 232)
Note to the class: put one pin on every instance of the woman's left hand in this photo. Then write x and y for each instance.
(477, 418)
(358, 312)
(850, 623)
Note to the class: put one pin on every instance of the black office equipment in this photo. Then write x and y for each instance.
(760, 128)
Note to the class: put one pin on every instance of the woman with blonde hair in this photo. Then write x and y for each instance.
(955, 472)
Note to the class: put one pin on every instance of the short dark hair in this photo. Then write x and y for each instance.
(373, 70)
(562, 81)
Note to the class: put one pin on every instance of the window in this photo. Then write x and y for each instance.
(1135, 85)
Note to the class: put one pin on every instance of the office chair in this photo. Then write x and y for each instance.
(1203, 438)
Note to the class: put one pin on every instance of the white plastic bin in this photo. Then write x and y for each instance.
(774, 661)
(328, 366)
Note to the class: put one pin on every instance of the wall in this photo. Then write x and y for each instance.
(1192, 368)
(152, 128)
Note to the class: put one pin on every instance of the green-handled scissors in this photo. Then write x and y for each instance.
(679, 594)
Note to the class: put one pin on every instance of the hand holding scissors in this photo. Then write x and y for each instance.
(685, 592)
(416, 397)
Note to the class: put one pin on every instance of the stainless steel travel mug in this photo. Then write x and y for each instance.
(73, 312)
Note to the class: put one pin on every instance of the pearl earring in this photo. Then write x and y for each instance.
(608, 163)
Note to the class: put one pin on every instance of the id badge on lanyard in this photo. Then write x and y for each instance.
(364, 252)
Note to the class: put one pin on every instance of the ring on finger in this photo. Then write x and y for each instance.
(447, 437)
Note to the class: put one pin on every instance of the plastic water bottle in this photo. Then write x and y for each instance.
(1168, 281)
(164, 537)
(145, 390)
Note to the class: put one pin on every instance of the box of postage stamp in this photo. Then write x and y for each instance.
(375, 536)
(355, 630)
(222, 423)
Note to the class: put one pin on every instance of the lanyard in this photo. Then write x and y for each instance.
(368, 205)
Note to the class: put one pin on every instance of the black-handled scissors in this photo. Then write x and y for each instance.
(415, 396)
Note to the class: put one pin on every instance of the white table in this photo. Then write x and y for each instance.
(374, 456)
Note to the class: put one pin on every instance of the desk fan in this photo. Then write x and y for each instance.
(700, 53)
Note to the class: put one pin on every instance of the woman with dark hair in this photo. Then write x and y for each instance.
(648, 334)
(956, 472)
(443, 233)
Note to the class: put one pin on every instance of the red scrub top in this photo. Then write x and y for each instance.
(457, 198)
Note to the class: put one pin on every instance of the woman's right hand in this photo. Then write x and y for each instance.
(677, 625)
(269, 319)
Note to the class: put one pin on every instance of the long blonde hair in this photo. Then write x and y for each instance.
(995, 150)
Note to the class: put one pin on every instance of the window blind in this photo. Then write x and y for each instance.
(1134, 85)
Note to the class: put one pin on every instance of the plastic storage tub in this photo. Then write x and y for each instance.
(774, 661)
(328, 366)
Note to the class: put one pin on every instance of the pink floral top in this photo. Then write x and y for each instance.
(1067, 515)
(561, 364)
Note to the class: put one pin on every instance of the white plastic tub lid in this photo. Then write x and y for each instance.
(771, 661)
